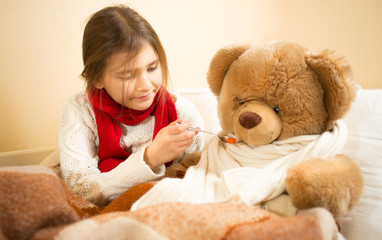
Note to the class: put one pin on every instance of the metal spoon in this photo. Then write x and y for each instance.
(225, 139)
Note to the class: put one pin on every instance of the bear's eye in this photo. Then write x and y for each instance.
(276, 109)
(240, 101)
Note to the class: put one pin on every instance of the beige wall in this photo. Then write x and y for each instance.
(40, 47)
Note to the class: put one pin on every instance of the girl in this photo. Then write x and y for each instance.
(125, 127)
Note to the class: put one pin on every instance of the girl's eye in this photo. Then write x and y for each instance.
(127, 77)
(151, 69)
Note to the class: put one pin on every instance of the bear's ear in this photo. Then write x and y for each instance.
(336, 78)
(220, 64)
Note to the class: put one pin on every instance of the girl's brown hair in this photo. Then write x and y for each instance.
(112, 30)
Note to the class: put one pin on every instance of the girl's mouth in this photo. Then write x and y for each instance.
(144, 97)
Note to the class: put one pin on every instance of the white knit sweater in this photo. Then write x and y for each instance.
(78, 144)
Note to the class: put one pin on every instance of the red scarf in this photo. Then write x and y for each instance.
(108, 113)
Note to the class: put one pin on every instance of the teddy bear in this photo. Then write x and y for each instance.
(281, 93)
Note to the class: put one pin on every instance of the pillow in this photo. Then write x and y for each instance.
(364, 145)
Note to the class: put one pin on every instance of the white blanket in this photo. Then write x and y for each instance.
(244, 173)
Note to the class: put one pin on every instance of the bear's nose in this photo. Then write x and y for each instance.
(249, 119)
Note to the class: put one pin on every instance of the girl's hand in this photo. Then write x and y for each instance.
(169, 143)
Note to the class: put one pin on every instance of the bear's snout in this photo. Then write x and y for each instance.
(256, 123)
(249, 119)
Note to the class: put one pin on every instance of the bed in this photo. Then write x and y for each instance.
(364, 144)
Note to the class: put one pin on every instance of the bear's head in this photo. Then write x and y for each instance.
(279, 90)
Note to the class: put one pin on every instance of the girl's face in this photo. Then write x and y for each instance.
(133, 83)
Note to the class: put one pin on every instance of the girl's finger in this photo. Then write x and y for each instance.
(176, 122)
(179, 127)
(184, 143)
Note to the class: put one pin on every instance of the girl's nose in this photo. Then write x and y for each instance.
(143, 82)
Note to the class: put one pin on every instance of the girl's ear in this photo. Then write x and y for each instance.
(220, 64)
(98, 85)
(336, 79)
